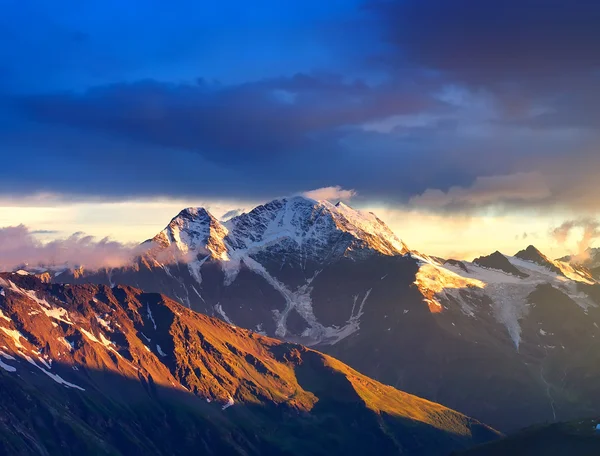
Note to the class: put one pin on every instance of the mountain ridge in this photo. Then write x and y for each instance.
(75, 344)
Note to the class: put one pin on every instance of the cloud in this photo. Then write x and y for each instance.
(430, 97)
(590, 231)
(230, 214)
(246, 123)
(481, 39)
(19, 246)
(537, 57)
(492, 190)
(336, 193)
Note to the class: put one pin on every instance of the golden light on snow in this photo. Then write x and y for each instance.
(432, 280)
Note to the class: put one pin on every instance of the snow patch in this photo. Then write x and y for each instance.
(195, 267)
(103, 341)
(3, 316)
(44, 362)
(58, 313)
(6, 367)
(103, 322)
(70, 345)
(15, 336)
(150, 316)
(89, 335)
(221, 312)
(159, 350)
(7, 356)
(334, 335)
(299, 300)
(57, 378)
(229, 403)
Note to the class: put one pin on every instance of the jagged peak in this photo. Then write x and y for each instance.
(531, 253)
(193, 230)
(531, 249)
(303, 221)
(499, 261)
(194, 213)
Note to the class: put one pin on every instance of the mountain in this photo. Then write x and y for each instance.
(559, 439)
(258, 269)
(535, 256)
(88, 369)
(499, 262)
(590, 261)
(509, 340)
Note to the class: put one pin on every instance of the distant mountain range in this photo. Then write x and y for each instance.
(89, 369)
(509, 340)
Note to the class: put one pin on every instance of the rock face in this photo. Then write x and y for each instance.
(499, 262)
(535, 256)
(88, 369)
(471, 335)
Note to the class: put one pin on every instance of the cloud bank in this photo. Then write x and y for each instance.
(19, 247)
(449, 103)
(512, 188)
(590, 229)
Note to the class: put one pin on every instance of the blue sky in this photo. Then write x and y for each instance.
(448, 108)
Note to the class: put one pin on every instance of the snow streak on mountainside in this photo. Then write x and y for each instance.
(296, 231)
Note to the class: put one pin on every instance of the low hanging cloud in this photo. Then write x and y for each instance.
(230, 214)
(336, 193)
(591, 232)
(19, 247)
(512, 188)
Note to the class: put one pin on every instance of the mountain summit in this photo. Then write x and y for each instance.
(532, 254)
(306, 229)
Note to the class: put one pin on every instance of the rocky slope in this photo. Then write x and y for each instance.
(99, 370)
(487, 338)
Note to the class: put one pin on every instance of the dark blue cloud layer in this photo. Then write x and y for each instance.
(108, 100)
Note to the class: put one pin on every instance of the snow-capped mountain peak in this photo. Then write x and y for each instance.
(317, 229)
(194, 231)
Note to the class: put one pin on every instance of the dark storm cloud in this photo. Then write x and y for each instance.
(254, 121)
(538, 57)
(495, 39)
(454, 105)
